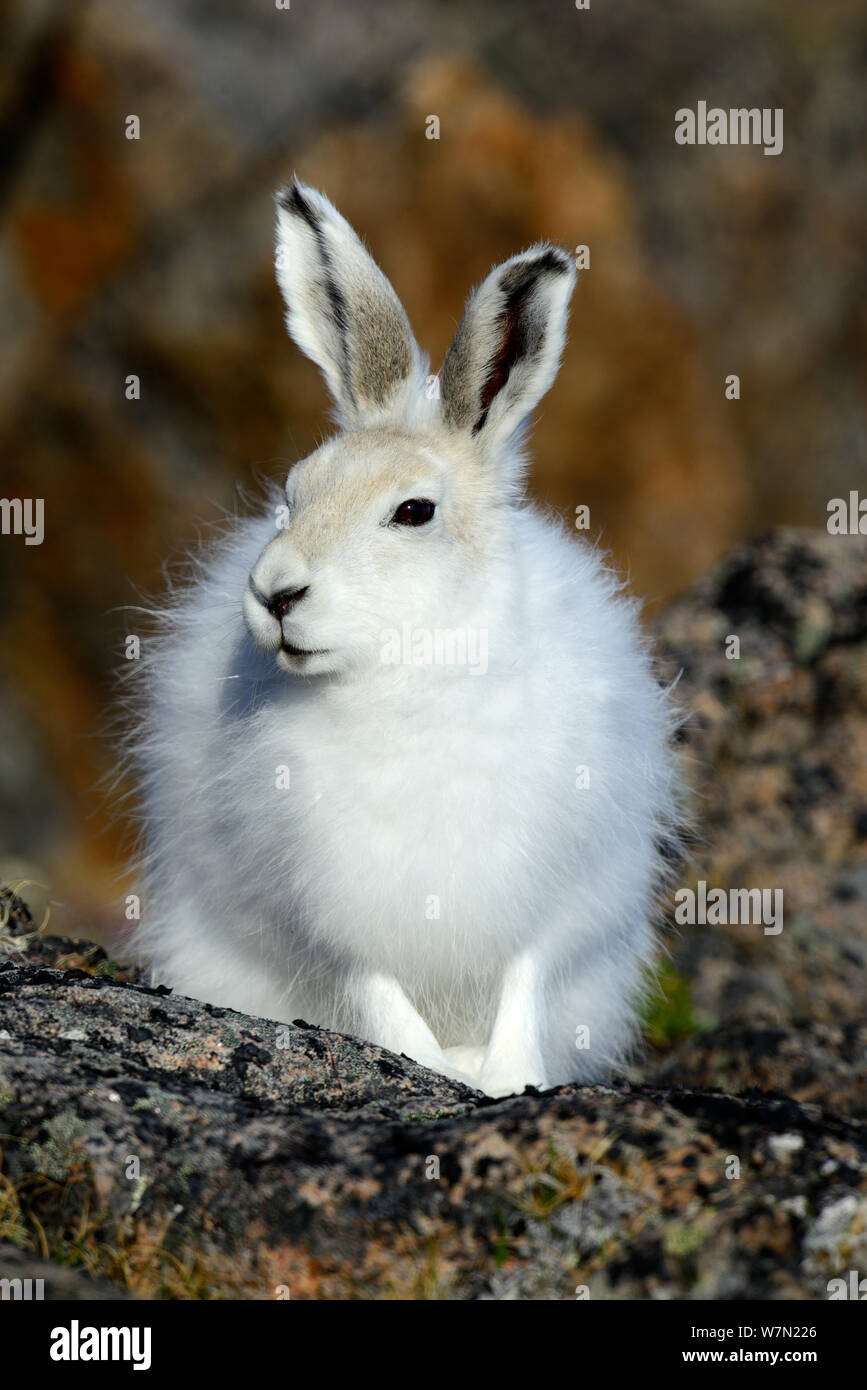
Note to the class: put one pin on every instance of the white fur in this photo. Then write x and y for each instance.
(410, 785)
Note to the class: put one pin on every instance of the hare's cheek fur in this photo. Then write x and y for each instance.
(332, 588)
(455, 859)
(350, 602)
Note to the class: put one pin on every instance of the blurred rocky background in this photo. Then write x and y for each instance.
(152, 257)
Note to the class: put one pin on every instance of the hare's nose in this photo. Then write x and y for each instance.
(284, 601)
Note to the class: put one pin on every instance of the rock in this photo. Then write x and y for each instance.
(824, 1064)
(169, 1148)
(224, 1156)
(775, 746)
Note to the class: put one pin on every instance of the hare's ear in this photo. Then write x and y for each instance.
(341, 310)
(507, 349)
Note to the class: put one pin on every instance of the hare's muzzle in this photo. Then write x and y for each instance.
(282, 603)
(265, 613)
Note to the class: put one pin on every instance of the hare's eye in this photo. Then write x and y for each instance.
(415, 512)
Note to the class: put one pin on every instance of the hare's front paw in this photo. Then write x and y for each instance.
(507, 1075)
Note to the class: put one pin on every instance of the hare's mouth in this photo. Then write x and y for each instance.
(290, 650)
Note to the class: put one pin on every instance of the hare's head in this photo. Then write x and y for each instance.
(398, 518)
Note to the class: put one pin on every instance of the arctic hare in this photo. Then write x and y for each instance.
(406, 767)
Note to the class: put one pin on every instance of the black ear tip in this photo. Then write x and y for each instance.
(519, 275)
(291, 199)
(554, 260)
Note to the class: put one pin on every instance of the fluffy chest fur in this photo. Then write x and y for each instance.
(393, 815)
